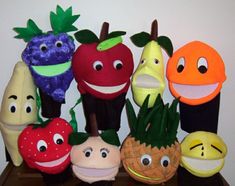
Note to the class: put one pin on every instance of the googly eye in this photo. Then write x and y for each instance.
(43, 47)
(165, 161)
(181, 64)
(88, 152)
(104, 152)
(58, 44)
(12, 107)
(156, 61)
(202, 65)
(142, 61)
(117, 64)
(28, 107)
(146, 159)
(58, 139)
(98, 65)
(41, 146)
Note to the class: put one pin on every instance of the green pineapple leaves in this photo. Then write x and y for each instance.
(156, 126)
(29, 32)
(62, 20)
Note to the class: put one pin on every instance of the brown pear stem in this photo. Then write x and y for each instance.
(93, 125)
(154, 30)
(104, 31)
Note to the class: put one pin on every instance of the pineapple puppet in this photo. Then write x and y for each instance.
(149, 77)
(48, 56)
(151, 153)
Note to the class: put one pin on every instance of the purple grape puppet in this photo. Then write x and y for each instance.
(48, 56)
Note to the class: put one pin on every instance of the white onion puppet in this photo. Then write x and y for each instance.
(48, 56)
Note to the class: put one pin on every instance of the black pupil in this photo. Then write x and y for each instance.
(42, 149)
(202, 69)
(156, 61)
(13, 109)
(104, 155)
(87, 154)
(59, 141)
(28, 109)
(142, 61)
(180, 68)
(119, 66)
(145, 161)
(98, 67)
(59, 44)
(165, 163)
(43, 48)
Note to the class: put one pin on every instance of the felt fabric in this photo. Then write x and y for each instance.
(18, 109)
(108, 112)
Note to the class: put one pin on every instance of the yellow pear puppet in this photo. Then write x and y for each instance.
(18, 109)
(149, 76)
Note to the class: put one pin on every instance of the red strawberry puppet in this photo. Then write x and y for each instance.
(45, 147)
(102, 68)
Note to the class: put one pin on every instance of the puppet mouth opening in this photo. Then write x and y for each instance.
(146, 81)
(106, 89)
(93, 172)
(200, 165)
(194, 91)
(52, 70)
(53, 163)
(15, 127)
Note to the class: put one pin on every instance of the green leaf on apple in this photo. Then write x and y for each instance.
(166, 44)
(109, 43)
(86, 37)
(141, 39)
(116, 34)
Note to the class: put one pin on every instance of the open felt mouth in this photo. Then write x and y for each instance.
(52, 70)
(194, 91)
(106, 89)
(142, 176)
(146, 81)
(53, 163)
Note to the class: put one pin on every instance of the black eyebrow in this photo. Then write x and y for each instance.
(216, 148)
(195, 146)
(13, 97)
(30, 97)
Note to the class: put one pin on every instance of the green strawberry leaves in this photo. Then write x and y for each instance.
(29, 32)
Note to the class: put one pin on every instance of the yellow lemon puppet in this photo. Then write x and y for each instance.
(149, 76)
(203, 153)
(18, 109)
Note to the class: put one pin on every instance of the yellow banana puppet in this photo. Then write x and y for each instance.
(149, 76)
(18, 109)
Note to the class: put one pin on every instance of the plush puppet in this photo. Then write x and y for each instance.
(95, 157)
(195, 75)
(149, 77)
(48, 56)
(151, 153)
(102, 68)
(203, 156)
(18, 109)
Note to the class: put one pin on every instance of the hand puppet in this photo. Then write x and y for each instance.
(48, 56)
(18, 109)
(151, 153)
(102, 68)
(149, 77)
(95, 157)
(203, 156)
(195, 75)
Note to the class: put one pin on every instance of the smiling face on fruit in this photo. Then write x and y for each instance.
(104, 74)
(46, 148)
(95, 160)
(203, 153)
(195, 73)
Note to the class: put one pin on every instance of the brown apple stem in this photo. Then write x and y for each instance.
(104, 31)
(154, 30)
(93, 125)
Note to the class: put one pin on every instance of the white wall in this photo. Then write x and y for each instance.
(211, 21)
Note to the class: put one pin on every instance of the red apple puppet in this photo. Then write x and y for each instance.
(45, 147)
(102, 68)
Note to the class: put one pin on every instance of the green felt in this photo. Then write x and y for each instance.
(86, 37)
(109, 43)
(62, 21)
(115, 34)
(110, 136)
(166, 44)
(38, 102)
(131, 116)
(29, 32)
(77, 138)
(52, 70)
(73, 121)
(141, 39)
